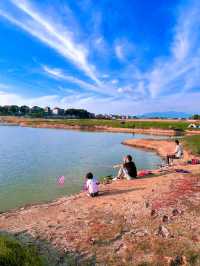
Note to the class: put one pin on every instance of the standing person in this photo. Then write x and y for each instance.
(128, 170)
(92, 185)
(178, 153)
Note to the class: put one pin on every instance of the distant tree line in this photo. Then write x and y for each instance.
(39, 112)
(196, 117)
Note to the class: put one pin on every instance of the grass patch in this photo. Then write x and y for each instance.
(13, 253)
(177, 125)
(193, 144)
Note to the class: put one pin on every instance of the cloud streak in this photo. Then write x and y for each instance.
(173, 74)
(52, 34)
(60, 75)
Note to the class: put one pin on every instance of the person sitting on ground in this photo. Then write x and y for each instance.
(178, 154)
(92, 185)
(128, 170)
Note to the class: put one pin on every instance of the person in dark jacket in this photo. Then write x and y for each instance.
(128, 170)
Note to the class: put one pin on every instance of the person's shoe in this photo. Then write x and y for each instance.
(115, 178)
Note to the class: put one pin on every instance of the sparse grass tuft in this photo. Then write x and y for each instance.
(13, 253)
(177, 125)
(193, 258)
(193, 144)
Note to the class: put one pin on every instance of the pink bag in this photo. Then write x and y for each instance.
(61, 180)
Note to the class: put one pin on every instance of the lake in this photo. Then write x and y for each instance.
(31, 160)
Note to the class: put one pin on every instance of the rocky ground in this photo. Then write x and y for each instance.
(154, 220)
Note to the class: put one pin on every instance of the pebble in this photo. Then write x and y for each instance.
(175, 212)
(147, 204)
(153, 212)
(165, 219)
(163, 231)
(179, 261)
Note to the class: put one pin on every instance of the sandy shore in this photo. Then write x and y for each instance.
(151, 131)
(119, 227)
(162, 147)
(23, 122)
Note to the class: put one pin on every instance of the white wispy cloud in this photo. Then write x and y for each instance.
(74, 100)
(60, 75)
(114, 81)
(126, 89)
(119, 52)
(116, 105)
(105, 76)
(175, 72)
(4, 86)
(168, 82)
(53, 34)
(124, 49)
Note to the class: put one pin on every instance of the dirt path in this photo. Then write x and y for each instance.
(119, 227)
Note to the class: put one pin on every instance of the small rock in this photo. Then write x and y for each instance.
(195, 238)
(165, 219)
(179, 261)
(142, 233)
(20, 232)
(147, 204)
(118, 246)
(51, 225)
(92, 241)
(175, 212)
(138, 232)
(163, 231)
(153, 212)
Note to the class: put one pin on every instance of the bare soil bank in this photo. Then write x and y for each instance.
(50, 123)
(151, 131)
(152, 220)
(27, 123)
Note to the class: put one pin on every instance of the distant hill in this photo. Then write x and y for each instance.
(170, 114)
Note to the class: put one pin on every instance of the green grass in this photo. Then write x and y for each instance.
(180, 125)
(13, 253)
(193, 144)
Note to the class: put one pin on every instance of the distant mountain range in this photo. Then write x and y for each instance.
(170, 114)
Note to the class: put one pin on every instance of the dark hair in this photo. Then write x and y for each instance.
(89, 176)
(177, 142)
(129, 157)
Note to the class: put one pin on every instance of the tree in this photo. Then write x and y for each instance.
(196, 117)
(78, 113)
(13, 110)
(2, 110)
(24, 110)
(37, 111)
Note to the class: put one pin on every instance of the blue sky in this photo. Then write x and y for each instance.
(108, 56)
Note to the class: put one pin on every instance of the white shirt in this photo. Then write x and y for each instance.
(92, 186)
(179, 151)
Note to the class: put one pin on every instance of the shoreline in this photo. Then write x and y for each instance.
(151, 126)
(105, 225)
(106, 129)
(161, 147)
(149, 131)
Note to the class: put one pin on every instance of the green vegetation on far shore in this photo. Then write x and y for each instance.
(179, 125)
(193, 144)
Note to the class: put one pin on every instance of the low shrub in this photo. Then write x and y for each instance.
(14, 253)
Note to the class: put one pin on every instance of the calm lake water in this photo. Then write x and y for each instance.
(32, 159)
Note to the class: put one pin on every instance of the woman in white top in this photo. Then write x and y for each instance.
(178, 154)
(92, 185)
